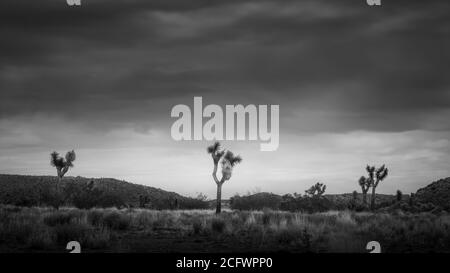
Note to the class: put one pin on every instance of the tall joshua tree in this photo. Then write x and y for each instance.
(375, 177)
(365, 183)
(61, 164)
(229, 160)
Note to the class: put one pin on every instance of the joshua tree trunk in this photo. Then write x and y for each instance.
(57, 183)
(219, 189)
(372, 202)
(58, 193)
(365, 199)
(219, 198)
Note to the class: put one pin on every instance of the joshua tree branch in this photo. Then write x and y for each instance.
(214, 174)
(59, 172)
(64, 171)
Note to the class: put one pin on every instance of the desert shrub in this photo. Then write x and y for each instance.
(49, 196)
(165, 219)
(95, 217)
(25, 199)
(236, 219)
(84, 199)
(116, 221)
(71, 232)
(250, 222)
(218, 225)
(98, 239)
(287, 236)
(197, 225)
(58, 218)
(41, 238)
(266, 218)
(8, 209)
(360, 208)
(110, 199)
(19, 196)
(86, 195)
(269, 217)
(16, 230)
(144, 219)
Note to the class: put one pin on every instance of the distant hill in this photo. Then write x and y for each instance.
(273, 201)
(342, 199)
(25, 190)
(437, 193)
(345, 198)
(435, 196)
(31, 190)
(257, 201)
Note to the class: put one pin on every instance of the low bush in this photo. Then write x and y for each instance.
(116, 220)
(218, 225)
(71, 232)
(58, 218)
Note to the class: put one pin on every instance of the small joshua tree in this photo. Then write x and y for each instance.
(316, 190)
(375, 177)
(365, 183)
(399, 196)
(355, 196)
(229, 160)
(62, 166)
(354, 202)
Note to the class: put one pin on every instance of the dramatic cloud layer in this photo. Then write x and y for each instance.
(352, 81)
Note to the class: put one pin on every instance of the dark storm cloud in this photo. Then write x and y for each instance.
(40, 28)
(111, 62)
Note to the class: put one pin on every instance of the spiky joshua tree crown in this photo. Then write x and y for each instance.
(229, 160)
(316, 190)
(61, 164)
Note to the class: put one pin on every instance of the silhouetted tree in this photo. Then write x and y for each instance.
(355, 196)
(201, 197)
(375, 176)
(354, 202)
(316, 190)
(62, 166)
(399, 196)
(297, 195)
(229, 160)
(364, 183)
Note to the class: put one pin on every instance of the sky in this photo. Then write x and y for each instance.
(355, 84)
